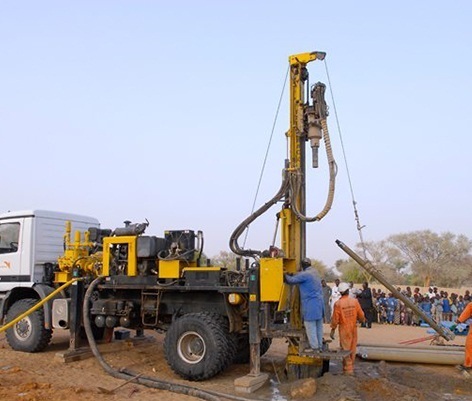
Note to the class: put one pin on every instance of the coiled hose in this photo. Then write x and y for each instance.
(152, 382)
(295, 181)
(291, 185)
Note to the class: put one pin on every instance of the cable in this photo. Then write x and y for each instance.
(267, 151)
(354, 203)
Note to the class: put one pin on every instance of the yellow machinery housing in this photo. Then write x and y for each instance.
(272, 287)
(77, 256)
(129, 263)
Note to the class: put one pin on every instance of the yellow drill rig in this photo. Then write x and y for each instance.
(212, 316)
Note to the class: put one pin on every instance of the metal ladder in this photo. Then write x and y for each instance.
(150, 302)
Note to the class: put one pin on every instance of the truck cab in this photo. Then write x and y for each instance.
(30, 243)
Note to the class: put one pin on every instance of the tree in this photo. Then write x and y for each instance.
(323, 271)
(225, 259)
(388, 260)
(350, 271)
(443, 258)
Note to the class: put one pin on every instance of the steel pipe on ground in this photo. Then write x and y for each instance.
(440, 355)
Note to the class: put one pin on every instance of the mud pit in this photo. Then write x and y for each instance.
(40, 377)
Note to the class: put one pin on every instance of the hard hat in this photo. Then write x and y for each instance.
(306, 262)
(343, 287)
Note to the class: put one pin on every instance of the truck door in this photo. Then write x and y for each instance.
(10, 252)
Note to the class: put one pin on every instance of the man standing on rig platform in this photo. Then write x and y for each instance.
(347, 311)
(311, 295)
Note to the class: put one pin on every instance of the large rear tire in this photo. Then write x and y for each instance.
(29, 334)
(198, 346)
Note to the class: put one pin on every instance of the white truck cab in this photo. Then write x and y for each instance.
(30, 243)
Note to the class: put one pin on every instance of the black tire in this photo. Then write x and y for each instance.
(29, 334)
(198, 346)
(242, 348)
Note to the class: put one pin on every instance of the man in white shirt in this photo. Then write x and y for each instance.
(335, 294)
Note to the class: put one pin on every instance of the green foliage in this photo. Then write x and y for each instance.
(323, 270)
(225, 259)
(418, 258)
(387, 259)
(350, 271)
(444, 258)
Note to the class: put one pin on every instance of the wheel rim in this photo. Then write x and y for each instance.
(22, 329)
(191, 347)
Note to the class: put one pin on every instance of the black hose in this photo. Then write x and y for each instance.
(200, 233)
(233, 242)
(147, 381)
(215, 393)
(144, 380)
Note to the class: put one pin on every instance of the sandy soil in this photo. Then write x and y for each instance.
(41, 377)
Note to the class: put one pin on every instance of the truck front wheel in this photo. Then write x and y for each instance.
(198, 345)
(29, 334)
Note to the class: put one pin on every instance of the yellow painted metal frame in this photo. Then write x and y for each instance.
(293, 359)
(62, 276)
(272, 287)
(290, 266)
(170, 269)
(291, 226)
(132, 269)
(175, 268)
(202, 269)
(271, 279)
(305, 58)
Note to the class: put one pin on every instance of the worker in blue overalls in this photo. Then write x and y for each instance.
(311, 295)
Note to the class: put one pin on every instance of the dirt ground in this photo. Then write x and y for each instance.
(42, 377)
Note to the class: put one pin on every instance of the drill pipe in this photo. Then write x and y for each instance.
(369, 267)
(440, 355)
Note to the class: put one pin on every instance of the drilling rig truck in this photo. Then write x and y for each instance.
(212, 316)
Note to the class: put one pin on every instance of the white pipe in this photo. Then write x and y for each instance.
(441, 355)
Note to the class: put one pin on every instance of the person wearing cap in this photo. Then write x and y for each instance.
(347, 311)
(311, 296)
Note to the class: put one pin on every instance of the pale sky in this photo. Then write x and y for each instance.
(163, 110)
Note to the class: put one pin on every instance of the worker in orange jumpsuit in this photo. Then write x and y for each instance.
(466, 314)
(347, 311)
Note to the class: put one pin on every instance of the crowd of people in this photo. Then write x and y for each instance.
(343, 306)
(382, 307)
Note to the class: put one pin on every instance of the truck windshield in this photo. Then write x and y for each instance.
(9, 235)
